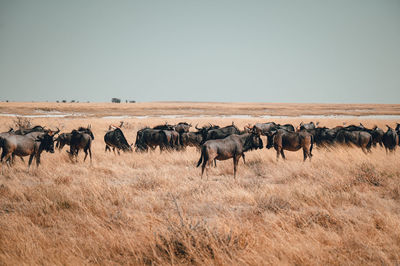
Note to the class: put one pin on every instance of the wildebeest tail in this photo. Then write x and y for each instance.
(202, 156)
(312, 144)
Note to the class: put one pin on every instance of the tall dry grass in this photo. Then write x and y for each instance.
(152, 208)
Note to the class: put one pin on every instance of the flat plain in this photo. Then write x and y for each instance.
(343, 207)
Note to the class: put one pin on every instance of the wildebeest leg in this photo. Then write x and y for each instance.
(86, 153)
(283, 155)
(37, 160)
(235, 164)
(277, 153)
(118, 152)
(90, 154)
(107, 148)
(215, 162)
(30, 161)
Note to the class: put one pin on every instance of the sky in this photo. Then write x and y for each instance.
(309, 51)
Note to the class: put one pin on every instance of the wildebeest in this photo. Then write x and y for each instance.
(62, 140)
(265, 128)
(151, 138)
(359, 138)
(193, 139)
(292, 141)
(233, 146)
(171, 134)
(390, 139)
(377, 135)
(21, 145)
(81, 139)
(181, 128)
(116, 139)
(220, 133)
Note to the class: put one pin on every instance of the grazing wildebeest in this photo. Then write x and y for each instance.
(81, 139)
(359, 138)
(233, 146)
(62, 140)
(151, 138)
(21, 145)
(390, 139)
(292, 141)
(116, 139)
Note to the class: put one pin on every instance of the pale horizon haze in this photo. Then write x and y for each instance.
(345, 51)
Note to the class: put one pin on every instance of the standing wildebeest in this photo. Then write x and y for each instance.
(62, 140)
(390, 139)
(181, 128)
(81, 139)
(233, 146)
(116, 139)
(359, 138)
(171, 134)
(220, 133)
(377, 135)
(265, 128)
(148, 137)
(20, 145)
(292, 141)
(192, 139)
(398, 131)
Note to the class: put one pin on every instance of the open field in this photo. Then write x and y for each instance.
(152, 208)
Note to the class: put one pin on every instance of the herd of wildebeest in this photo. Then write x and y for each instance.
(214, 142)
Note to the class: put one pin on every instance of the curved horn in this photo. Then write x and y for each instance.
(197, 127)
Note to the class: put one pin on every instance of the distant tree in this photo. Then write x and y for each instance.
(132, 101)
(115, 100)
(57, 101)
(72, 101)
(64, 101)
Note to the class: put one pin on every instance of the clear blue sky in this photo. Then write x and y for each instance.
(265, 51)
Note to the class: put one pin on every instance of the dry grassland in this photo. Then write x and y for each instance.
(152, 208)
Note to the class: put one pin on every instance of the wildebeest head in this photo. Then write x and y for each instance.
(270, 139)
(397, 127)
(182, 127)
(254, 141)
(46, 143)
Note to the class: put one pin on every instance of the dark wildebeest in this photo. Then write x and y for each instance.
(220, 133)
(376, 133)
(171, 134)
(390, 139)
(151, 138)
(21, 145)
(62, 140)
(181, 128)
(292, 141)
(81, 139)
(359, 138)
(192, 139)
(233, 146)
(116, 139)
(398, 131)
